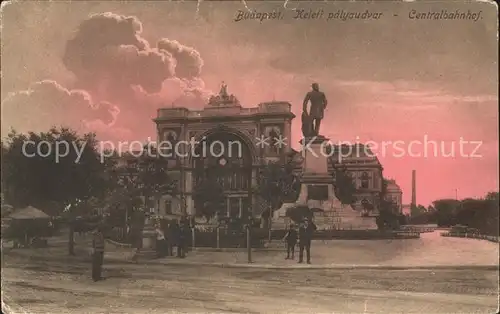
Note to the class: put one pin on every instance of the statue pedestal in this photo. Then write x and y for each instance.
(316, 182)
(318, 193)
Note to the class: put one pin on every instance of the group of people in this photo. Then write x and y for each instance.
(303, 235)
(174, 234)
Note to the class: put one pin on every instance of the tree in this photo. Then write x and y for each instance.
(429, 216)
(136, 183)
(208, 196)
(344, 186)
(153, 179)
(418, 210)
(276, 182)
(388, 218)
(481, 214)
(445, 211)
(53, 170)
(492, 196)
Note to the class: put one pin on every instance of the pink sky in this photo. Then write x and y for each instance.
(387, 80)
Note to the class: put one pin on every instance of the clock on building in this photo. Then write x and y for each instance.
(222, 161)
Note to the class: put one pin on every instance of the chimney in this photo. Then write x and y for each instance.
(414, 188)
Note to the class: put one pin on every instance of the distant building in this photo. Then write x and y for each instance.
(366, 171)
(394, 194)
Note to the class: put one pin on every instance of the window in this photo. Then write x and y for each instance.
(245, 204)
(234, 207)
(365, 180)
(168, 206)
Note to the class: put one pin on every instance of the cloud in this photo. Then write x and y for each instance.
(46, 104)
(108, 49)
(178, 93)
(189, 61)
(112, 63)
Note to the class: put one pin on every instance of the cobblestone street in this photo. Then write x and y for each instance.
(48, 281)
(58, 288)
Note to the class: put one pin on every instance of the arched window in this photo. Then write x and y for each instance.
(365, 180)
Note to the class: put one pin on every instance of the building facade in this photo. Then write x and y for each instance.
(394, 194)
(366, 172)
(226, 142)
(231, 143)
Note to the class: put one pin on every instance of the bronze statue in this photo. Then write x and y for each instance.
(315, 115)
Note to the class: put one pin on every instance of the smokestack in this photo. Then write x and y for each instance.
(414, 188)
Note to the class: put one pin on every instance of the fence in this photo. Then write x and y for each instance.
(206, 237)
(345, 234)
(420, 229)
(218, 237)
(471, 236)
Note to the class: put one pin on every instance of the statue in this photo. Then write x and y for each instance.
(311, 121)
(223, 91)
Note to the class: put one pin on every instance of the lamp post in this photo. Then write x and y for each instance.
(249, 227)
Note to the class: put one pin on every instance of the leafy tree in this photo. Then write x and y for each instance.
(345, 189)
(121, 204)
(144, 178)
(153, 179)
(445, 211)
(64, 173)
(481, 214)
(492, 196)
(276, 182)
(388, 218)
(418, 210)
(208, 196)
(424, 217)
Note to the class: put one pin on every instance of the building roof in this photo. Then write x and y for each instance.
(28, 212)
(392, 185)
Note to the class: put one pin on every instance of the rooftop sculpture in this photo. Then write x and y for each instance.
(223, 99)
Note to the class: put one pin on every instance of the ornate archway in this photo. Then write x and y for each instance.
(225, 157)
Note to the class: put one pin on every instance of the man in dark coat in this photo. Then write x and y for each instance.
(306, 231)
(169, 235)
(291, 241)
(97, 253)
(181, 240)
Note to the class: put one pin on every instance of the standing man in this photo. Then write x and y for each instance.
(169, 237)
(181, 240)
(306, 231)
(97, 253)
(318, 105)
(161, 243)
(291, 241)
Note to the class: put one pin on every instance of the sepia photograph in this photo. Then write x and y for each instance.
(249, 156)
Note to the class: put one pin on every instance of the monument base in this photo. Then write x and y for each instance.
(318, 194)
(328, 214)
